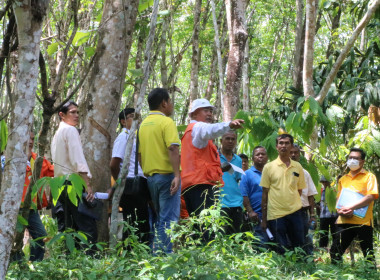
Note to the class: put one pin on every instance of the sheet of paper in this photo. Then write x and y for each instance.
(101, 195)
(237, 169)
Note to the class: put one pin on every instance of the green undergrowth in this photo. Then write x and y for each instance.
(226, 257)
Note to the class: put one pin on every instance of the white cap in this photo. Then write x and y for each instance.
(199, 103)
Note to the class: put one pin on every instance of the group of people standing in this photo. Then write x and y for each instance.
(278, 197)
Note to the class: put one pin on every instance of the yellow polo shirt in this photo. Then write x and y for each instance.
(157, 133)
(283, 183)
(365, 183)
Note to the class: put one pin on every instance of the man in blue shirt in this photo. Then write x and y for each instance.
(252, 191)
(231, 198)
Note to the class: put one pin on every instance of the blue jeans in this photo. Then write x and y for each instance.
(261, 235)
(289, 226)
(37, 231)
(167, 209)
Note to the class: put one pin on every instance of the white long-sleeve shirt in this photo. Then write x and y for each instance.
(203, 132)
(67, 152)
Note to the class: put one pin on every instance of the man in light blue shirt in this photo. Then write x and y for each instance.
(252, 191)
(231, 198)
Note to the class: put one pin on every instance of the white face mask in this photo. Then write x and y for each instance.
(353, 164)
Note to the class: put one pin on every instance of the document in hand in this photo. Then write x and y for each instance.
(348, 197)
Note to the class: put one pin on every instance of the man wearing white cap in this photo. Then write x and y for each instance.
(200, 160)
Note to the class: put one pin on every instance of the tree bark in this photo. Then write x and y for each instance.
(307, 75)
(299, 46)
(195, 54)
(237, 36)
(105, 87)
(128, 150)
(330, 78)
(29, 28)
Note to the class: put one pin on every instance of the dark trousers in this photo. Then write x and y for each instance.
(38, 232)
(347, 233)
(79, 221)
(327, 225)
(308, 239)
(198, 197)
(288, 226)
(136, 214)
(235, 219)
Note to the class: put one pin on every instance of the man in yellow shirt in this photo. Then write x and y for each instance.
(361, 181)
(160, 162)
(282, 181)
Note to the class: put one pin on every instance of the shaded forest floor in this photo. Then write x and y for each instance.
(226, 257)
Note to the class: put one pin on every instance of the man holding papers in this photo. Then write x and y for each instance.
(355, 222)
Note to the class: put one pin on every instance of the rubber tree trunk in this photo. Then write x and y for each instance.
(299, 46)
(195, 53)
(29, 28)
(128, 150)
(237, 37)
(307, 75)
(105, 88)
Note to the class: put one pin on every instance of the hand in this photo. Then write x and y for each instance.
(175, 185)
(264, 225)
(90, 195)
(346, 212)
(312, 219)
(110, 192)
(235, 124)
(253, 216)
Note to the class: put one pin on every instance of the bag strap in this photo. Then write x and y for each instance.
(136, 153)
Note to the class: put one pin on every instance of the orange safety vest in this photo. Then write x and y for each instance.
(47, 170)
(199, 166)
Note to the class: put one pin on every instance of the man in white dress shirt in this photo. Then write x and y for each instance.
(68, 158)
(135, 206)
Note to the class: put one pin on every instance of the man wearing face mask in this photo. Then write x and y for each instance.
(361, 181)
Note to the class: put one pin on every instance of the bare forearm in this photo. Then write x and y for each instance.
(174, 159)
(264, 204)
(247, 204)
(365, 201)
(312, 205)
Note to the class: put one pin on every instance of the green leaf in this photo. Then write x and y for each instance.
(323, 147)
(314, 105)
(330, 195)
(72, 195)
(182, 127)
(21, 223)
(164, 13)
(78, 184)
(81, 37)
(289, 121)
(136, 72)
(145, 4)
(90, 51)
(70, 242)
(52, 48)
(55, 238)
(56, 187)
(3, 135)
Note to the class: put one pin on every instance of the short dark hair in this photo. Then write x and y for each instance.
(124, 113)
(255, 148)
(230, 131)
(65, 107)
(156, 96)
(243, 156)
(283, 136)
(362, 153)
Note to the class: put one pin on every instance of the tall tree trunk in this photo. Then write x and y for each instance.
(330, 78)
(307, 76)
(238, 36)
(105, 87)
(195, 54)
(246, 77)
(29, 28)
(128, 150)
(299, 46)
(219, 56)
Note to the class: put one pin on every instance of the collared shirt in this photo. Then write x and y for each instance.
(250, 187)
(283, 183)
(67, 152)
(157, 133)
(364, 183)
(118, 151)
(203, 132)
(310, 189)
(231, 193)
(325, 212)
